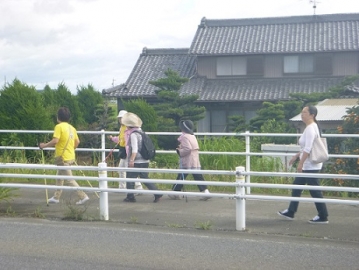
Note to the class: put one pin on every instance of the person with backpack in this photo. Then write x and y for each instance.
(120, 140)
(189, 158)
(138, 154)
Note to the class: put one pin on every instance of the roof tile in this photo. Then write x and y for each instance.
(299, 34)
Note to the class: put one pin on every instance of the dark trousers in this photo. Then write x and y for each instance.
(182, 176)
(321, 207)
(131, 185)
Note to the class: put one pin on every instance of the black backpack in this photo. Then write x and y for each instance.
(148, 150)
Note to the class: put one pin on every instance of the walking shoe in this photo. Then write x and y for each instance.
(138, 187)
(318, 220)
(83, 200)
(205, 198)
(174, 197)
(129, 199)
(157, 198)
(53, 200)
(286, 214)
(122, 185)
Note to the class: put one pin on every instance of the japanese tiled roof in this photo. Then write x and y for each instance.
(266, 89)
(151, 65)
(298, 34)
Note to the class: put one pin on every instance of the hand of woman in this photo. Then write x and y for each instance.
(300, 167)
(292, 160)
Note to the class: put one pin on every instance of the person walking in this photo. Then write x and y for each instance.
(65, 140)
(134, 158)
(305, 165)
(189, 158)
(120, 139)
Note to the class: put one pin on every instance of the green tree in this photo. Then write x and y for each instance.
(88, 99)
(171, 104)
(21, 107)
(237, 123)
(62, 97)
(172, 107)
(268, 111)
(145, 111)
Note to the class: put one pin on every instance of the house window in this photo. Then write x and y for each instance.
(230, 66)
(240, 66)
(299, 64)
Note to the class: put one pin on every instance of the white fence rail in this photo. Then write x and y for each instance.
(241, 174)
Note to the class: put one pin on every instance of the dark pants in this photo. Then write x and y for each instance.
(131, 185)
(321, 207)
(182, 176)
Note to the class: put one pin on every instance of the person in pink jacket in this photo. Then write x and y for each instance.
(188, 151)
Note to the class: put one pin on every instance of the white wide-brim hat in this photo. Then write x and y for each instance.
(121, 113)
(131, 120)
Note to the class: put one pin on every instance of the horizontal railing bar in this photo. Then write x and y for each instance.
(298, 199)
(304, 175)
(185, 182)
(164, 192)
(176, 171)
(243, 134)
(109, 169)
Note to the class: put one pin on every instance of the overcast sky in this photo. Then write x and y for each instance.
(81, 42)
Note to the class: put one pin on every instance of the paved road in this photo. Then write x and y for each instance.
(147, 235)
(42, 244)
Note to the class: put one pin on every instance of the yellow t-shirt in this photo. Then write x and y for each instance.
(63, 131)
(121, 137)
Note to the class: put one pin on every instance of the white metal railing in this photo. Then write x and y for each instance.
(242, 174)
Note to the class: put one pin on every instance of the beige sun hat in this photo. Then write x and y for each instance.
(121, 113)
(131, 120)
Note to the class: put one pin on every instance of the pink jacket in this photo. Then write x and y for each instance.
(188, 152)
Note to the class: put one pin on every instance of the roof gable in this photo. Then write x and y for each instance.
(151, 65)
(298, 34)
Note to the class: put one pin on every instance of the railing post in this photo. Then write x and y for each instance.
(240, 202)
(103, 195)
(248, 160)
(103, 145)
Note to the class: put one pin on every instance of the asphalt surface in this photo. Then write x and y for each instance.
(215, 214)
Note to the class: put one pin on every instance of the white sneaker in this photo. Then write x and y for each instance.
(138, 187)
(122, 185)
(206, 191)
(83, 200)
(318, 220)
(53, 200)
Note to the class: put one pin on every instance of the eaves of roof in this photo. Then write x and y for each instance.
(236, 90)
(265, 89)
(298, 34)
